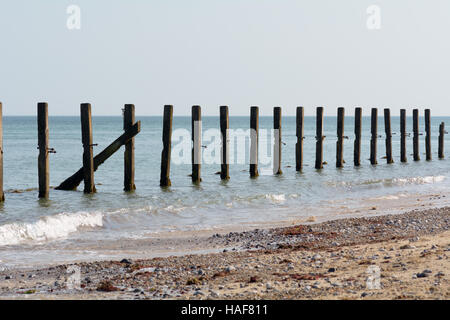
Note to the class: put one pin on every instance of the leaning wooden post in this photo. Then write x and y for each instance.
(373, 141)
(416, 134)
(319, 138)
(43, 162)
(88, 150)
(300, 138)
(224, 130)
(441, 140)
(254, 127)
(388, 131)
(128, 122)
(340, 138)
(358, 126)
(403, 157)
(428, 134)
(167, 147)
(2, 194)
(74, 180)
(196, 144)
(277, 145)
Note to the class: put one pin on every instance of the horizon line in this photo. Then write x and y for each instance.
(189, 115)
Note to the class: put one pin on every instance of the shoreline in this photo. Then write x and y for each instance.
(327, 260)
(167, 243)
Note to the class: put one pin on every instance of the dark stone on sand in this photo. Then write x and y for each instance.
(126, 261)
(422, 275)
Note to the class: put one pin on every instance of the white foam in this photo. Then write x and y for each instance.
(419, 180)
(49, 228)
(395, 181)
(277, 198)
(388, 197)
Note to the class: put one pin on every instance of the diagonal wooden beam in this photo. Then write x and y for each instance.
(74, 181)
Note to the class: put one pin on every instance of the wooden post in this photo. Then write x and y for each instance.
(254, 127)
(88, 153)
(388, 131)
(167, 147)
(2, 194)
(43, 162)
(428, 134)
(300, 138)
(416, 135)
(340, 138)
(224, 127)
(373, 141)
(358, 126)
(196, 144)
(277, 145)
(441, 140)
(128, 122)
(319, 138)
(403, 157)
(74, 180)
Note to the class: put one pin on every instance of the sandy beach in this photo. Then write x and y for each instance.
(382, 257)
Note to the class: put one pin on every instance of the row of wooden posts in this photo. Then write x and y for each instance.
(254, 126)
(132, 128)
(90, 163)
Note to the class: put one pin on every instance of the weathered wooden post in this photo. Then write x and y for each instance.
(88, 150)
(167, 147)
(72, 182)
(2, 194)
(277, 145)
(441, 140)
(254, 127)
(300, 138)
(373, 141)
(196, 144)
(340, 138)
(416, 135)
(403, 157)
(43, 161)
(128, 122)
(358, 126)
(224, 127)
(428, 134)
(388, 131)
(319, 138)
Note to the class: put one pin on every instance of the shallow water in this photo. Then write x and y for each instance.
(72, 218)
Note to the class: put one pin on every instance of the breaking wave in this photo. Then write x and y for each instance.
(390, 182)
(49, 228)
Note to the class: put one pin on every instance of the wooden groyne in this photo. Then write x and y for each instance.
(300, 129)
(319, 138)
(358, 134)
(254, 144)
(374, 136)
(88, 169)
(388, 132)
(224, 131)
(167, 147)
(90, 163)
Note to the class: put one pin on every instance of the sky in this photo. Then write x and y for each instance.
(238, 53)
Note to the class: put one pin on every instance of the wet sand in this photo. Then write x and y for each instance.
(339, 259)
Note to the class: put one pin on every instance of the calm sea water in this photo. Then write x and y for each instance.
(113, 214)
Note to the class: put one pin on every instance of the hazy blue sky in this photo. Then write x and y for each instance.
(234, 52)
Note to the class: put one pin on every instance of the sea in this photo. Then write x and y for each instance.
(67, 226)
